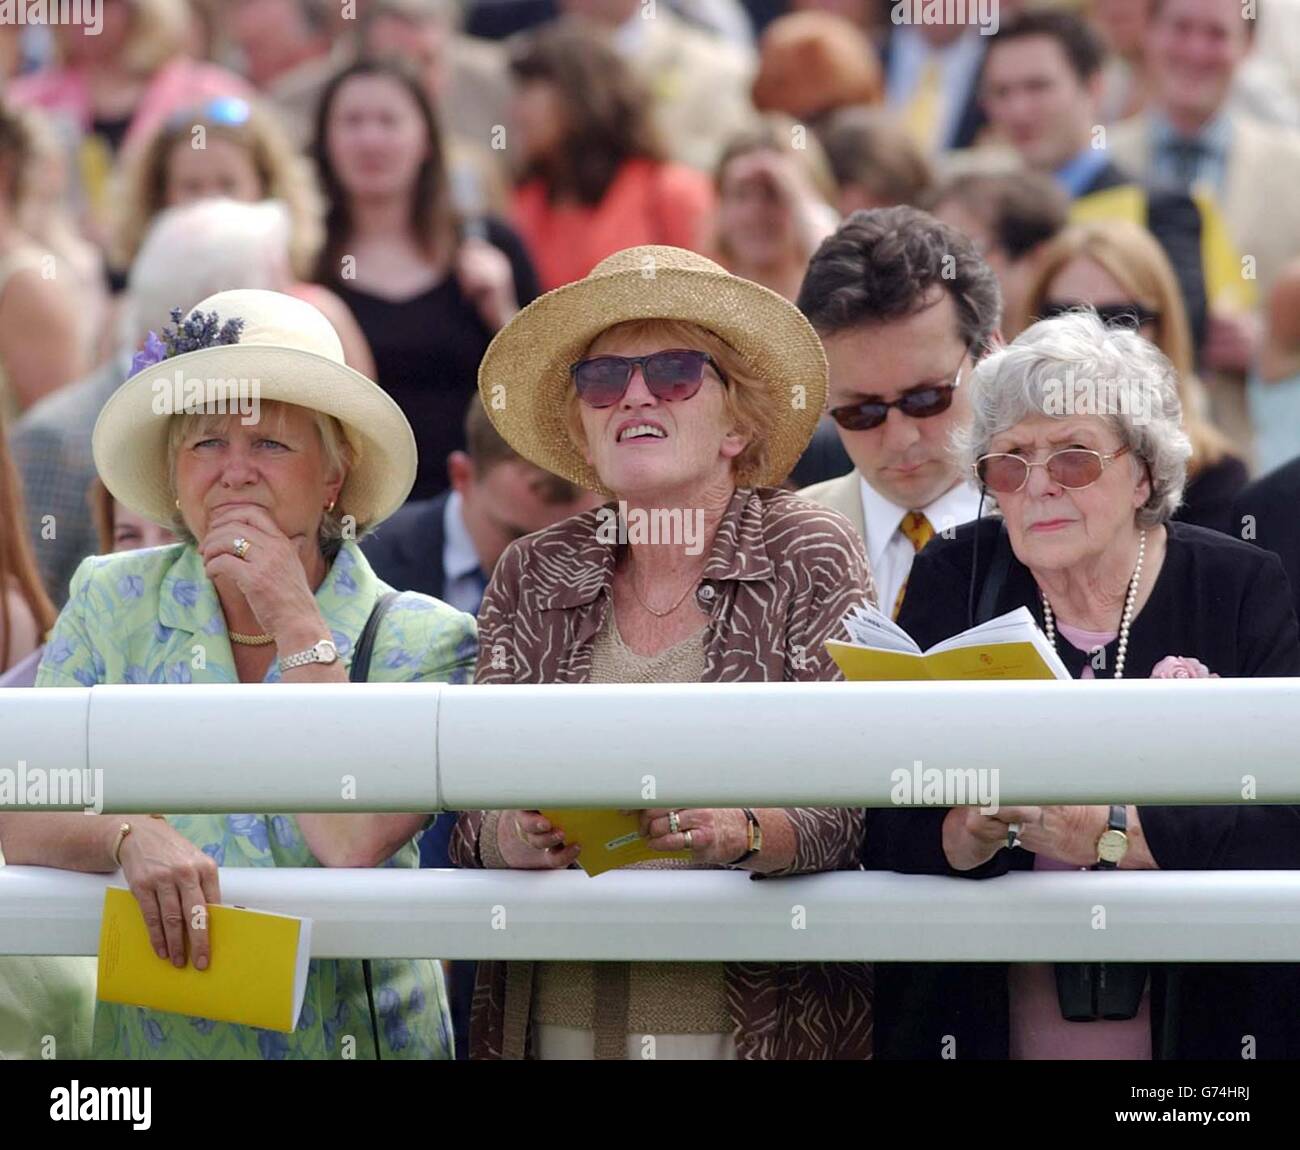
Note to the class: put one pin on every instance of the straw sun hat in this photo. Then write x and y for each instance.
(286, 351)
(524, 377)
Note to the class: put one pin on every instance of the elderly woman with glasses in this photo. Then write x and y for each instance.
(1076, 434)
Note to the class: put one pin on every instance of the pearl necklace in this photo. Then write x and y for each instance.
(1126, 620)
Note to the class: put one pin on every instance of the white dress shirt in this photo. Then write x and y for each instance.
(889, 551)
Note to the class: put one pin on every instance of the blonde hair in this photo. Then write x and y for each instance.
(750, 403)
(1133, 257)
(338, 451)
(160, 30)
(284, 175)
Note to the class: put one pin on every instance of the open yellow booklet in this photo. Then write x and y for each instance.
(1008, 647)
(257, 975)
(610, 839)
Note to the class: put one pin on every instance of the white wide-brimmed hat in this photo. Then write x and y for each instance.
(286, 351)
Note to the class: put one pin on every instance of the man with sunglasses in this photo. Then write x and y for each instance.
(905, 306)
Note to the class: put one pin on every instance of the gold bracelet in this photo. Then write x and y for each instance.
(122, 832)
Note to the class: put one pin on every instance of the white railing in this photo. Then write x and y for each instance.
(713, 915)
(426, 747)
(420, 747)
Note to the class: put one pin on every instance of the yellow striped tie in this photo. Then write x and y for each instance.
(920, 115)
(917, 528)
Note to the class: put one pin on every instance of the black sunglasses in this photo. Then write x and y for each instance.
(1130, 315)
(675, 374)
(919, 403)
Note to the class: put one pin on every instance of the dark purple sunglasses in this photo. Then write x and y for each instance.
(675, 374)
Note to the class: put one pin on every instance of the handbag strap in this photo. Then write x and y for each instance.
(997, 576)
(360, 670)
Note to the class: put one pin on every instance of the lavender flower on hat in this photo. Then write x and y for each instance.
(154, 351)
(194, 333)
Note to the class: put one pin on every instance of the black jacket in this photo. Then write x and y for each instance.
(1268, 514)
(1216, 599)
(406, 550)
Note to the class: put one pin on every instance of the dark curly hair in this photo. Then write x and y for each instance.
(607, 106)
(885, 264)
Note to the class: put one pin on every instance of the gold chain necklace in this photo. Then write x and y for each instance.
(691, 584)
(251, 640)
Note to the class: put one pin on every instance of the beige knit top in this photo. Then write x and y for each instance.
(616, 999)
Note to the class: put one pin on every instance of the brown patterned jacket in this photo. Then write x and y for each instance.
(781, 575)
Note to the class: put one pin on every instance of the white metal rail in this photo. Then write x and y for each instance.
(711, 915)
(421, 747)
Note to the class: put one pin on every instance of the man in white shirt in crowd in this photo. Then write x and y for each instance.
(905, 307)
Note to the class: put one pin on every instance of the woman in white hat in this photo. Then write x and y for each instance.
(684, 392)
(267, 585)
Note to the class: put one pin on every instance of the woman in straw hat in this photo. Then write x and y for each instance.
(678, 390)
(267, 585)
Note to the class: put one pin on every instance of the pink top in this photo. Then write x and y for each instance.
(180, 84)
(1037, 1029)
(1086, 641)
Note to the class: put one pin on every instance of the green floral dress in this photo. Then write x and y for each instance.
(153, 617)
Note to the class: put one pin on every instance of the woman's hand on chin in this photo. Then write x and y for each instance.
(272, 575)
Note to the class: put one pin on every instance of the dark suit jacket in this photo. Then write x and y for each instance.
(1111, 176)
(406, 550)
(1217, 600)
(1274, 503)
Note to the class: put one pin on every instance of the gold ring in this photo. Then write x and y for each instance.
(673, 825)
(690, 846)
(519, 834)
(241, 546)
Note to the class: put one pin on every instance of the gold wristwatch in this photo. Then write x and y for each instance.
(1112, 844)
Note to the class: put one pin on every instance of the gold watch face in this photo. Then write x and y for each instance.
(1112, 845)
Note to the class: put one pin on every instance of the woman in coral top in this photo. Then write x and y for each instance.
(593, 178)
